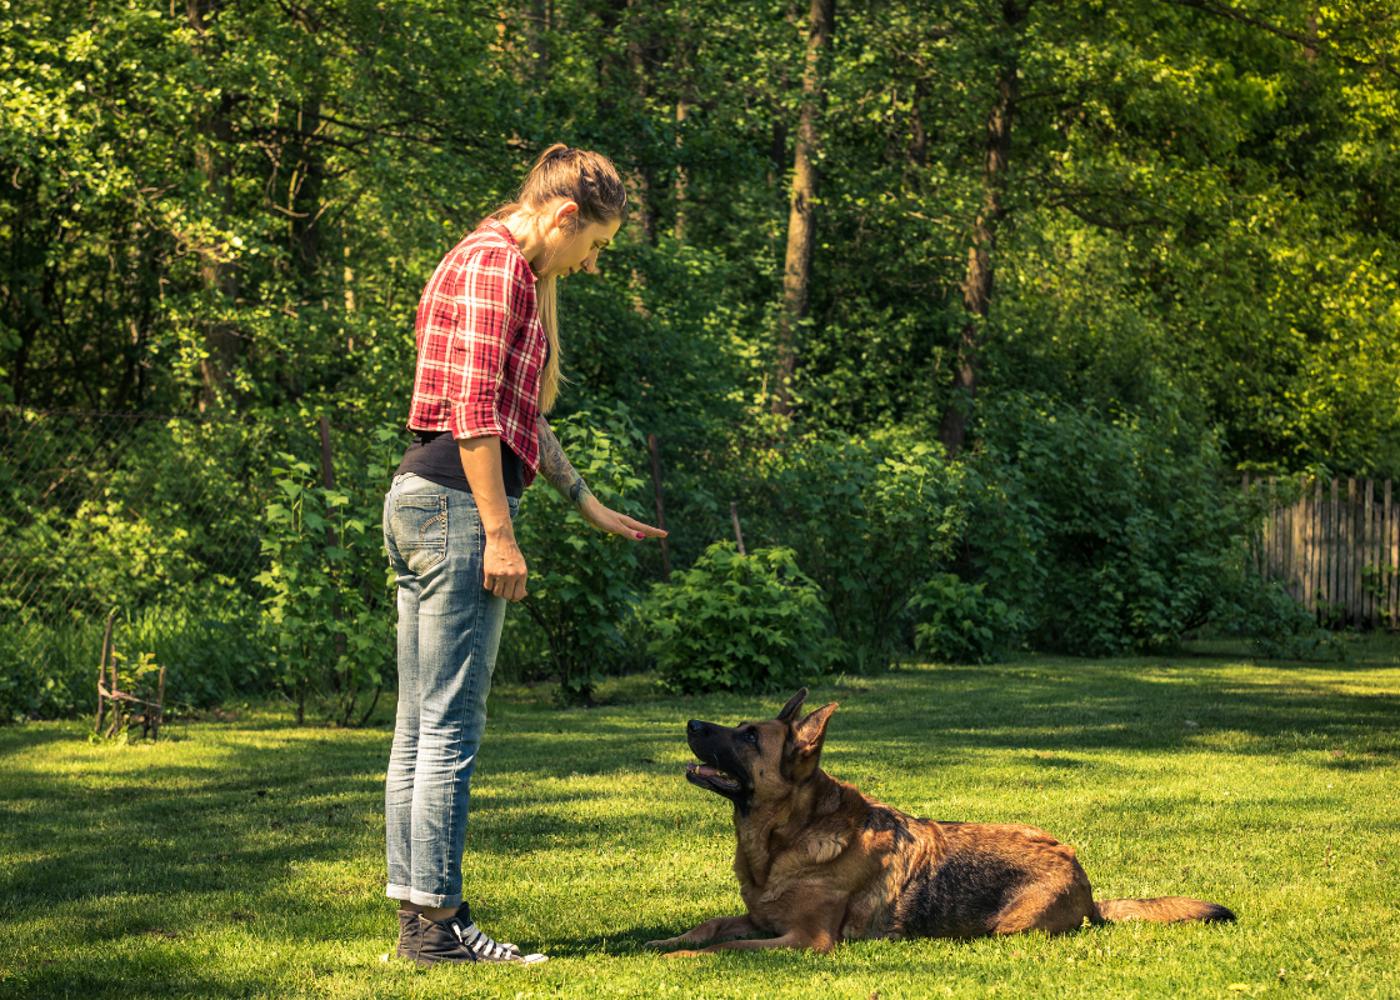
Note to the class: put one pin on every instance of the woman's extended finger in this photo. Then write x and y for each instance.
(633, 525)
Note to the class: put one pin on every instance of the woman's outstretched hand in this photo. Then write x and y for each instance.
(612, 521)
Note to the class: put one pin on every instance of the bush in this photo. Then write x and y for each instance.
(155, 517)
(206, 637)
(870, 519)
(583, 583)
(957, 622)
(736, 622)
(1276, 625)
(1133, 527)
(329, 609)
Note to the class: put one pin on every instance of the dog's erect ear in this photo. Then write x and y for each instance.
(808, 734)
(789, 711)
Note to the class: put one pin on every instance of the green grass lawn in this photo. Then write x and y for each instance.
(245, 857)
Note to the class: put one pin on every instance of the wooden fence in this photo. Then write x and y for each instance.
(1336, 548)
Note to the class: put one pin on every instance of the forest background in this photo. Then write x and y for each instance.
(974, 312)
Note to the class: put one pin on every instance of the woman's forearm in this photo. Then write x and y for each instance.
(481, 461)
(556, 468)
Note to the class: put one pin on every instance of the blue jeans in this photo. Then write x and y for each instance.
(448, 632)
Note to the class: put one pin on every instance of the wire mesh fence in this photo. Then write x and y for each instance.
(156, 516)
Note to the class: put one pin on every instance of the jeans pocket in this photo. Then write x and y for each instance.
(419, 523)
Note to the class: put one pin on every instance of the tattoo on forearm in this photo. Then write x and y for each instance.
(556, 468)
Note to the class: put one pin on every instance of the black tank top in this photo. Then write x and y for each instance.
(434, 456)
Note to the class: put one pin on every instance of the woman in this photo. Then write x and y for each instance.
(488, 369)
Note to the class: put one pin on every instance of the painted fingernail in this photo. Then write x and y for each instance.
(640, 535)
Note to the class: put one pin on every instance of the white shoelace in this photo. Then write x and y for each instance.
(485, 948)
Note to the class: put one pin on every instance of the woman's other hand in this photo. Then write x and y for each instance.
(504, 567)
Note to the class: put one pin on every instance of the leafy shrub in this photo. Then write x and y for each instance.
(1277, 625)
(870, 519)
(329, 609)
(1133, 527)
(736, 622)
(206, 636)
(957, 622)
(583, 583)
(156, 517)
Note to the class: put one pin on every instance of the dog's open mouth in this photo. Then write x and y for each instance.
(711, 777)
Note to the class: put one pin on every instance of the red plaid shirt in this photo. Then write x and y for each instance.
(481, 346)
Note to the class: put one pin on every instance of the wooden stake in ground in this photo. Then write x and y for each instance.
(109, 692)
(101, 672)
(738, 535)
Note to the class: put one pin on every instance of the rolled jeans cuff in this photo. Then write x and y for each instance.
(414, 896)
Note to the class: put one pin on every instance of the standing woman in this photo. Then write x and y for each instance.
(488, 370)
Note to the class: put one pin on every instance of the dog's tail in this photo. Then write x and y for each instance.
(1164, 909)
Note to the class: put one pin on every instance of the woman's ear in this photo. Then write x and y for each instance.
(566, 215)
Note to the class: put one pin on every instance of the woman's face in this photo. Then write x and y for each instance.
(572, 251)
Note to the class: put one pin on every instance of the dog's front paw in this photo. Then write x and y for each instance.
(684, 953)
(661, 944)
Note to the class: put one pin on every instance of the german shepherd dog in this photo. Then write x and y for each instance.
(819, 862)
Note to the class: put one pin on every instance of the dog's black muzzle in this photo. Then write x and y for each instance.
(720, 769)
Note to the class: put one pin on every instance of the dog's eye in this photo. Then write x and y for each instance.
(752, 736)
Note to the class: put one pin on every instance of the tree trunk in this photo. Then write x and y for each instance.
(682, 180)
(977, 285)
(305, 196)
(679, 188)
(640, 177)
(798, 261)
(918, 137)
(221, 341)
(537, 26)
(622, 86)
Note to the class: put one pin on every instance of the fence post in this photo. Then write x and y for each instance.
(1392, 587)
(1368, 542)
(738, 535)
(1333, 549)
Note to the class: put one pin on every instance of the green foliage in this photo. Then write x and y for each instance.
(206, 637)
(1133, 528)
(328, 613)
(582, 582)
(736, 622)
(153, 517)
(1275, 625)
(870, 518)
(957, 622)
(234, 205)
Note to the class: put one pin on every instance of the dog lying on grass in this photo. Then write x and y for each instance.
(818, 862)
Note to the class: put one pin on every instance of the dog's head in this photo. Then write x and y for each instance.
(758, 762)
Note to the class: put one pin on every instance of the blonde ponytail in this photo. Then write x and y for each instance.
(547, 300)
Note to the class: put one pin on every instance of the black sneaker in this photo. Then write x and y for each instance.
(409, 934)
(458, 939)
